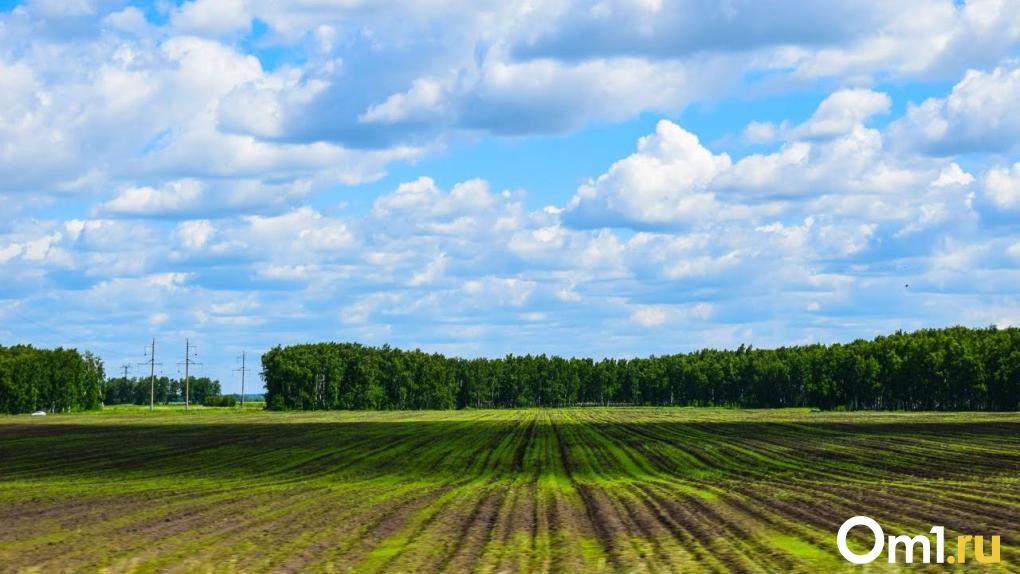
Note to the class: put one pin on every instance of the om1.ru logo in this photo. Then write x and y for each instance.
(909, 544)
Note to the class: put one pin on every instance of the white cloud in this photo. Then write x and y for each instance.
(159, 108)
(131, 20)
(832, 166)
(174, 197)
(469, 209)
(952, 175)
(843, 110)
(10, 251)
(660, 315)
(214, 175)
(296, 236)
(195, 233)
(807, 40)
(665, 181)
(650, 316)
(502, 291)
(1002, 186)
(37, 248)
(167, 281)
(212, 17)
(916, 38)
(550, 96)
(978, 115)
(762, 132)
(433, 270)
(423, 101)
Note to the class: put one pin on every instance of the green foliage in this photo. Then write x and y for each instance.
(201, 388)
(220, 401)
(935, 369)
(53, 380)
(135, 390)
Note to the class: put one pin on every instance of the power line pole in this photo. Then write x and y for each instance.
(187, 364)
(125, 366)
(151, 351)
(243, 369)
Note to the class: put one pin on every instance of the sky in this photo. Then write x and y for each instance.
(605, 179)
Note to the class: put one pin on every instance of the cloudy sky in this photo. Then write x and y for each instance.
(613, 178)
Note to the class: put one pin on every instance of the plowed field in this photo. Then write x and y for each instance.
(572, 490)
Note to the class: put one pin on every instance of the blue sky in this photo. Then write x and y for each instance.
(614, 178)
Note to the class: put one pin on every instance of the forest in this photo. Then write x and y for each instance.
(135, 391)
(54, 380)
(934, 369)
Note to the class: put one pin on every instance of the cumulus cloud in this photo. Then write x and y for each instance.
(804, 39)
(174, 197)
(658, 315)
(191, 173)
(494, 94)
(424, 101)
(296, 236)
(560, 66)
(504, 291)
(665, 181)
(214, 17)
(953, 175)
(832, 166)
(669, 30)
(978, 115)
(1002, 186)
(469, 209)
(842, 111)
(134, 104)
(130, 20)
(195, 234)
(921, 38)
(503, 98)
(182, 98)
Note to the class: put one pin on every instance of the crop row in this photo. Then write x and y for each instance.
(500, 491)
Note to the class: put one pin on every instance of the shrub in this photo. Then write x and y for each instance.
(220, 401)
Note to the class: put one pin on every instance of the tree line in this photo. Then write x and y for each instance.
(933, 369)
(54, 380)
(135, 390)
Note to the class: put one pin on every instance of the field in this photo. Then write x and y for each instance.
(574, 490)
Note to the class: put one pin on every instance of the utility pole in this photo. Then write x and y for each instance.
(152, 374)
(187, 363)
(243, 369)
(125, 366)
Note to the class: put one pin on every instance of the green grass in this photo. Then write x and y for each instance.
(573, 490)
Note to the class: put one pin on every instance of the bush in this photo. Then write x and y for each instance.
(220, 401)
(278, 403)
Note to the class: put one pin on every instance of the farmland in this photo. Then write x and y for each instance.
(571, 490)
